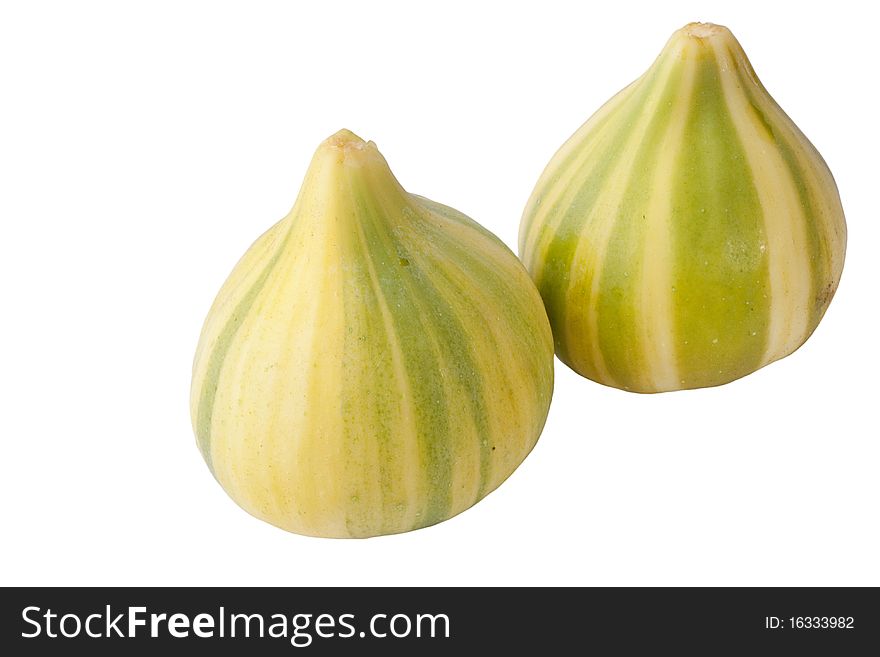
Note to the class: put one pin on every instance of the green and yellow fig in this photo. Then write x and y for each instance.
(688, 233)
(375, 363)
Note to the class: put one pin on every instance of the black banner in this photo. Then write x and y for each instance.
(334, 621)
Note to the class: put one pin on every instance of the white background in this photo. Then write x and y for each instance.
(143, 146)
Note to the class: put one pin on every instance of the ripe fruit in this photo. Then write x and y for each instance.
(375, 363)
